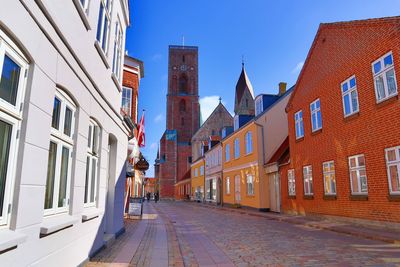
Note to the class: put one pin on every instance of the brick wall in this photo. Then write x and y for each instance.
(340, 51)
(131, 80)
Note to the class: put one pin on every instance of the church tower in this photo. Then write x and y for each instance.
(244, 95)
(183, 120)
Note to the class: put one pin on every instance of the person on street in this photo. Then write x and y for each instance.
(156, 197)
(148, 196)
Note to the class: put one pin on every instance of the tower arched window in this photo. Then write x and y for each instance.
(182, 105)
(182, 122)
(183, 84)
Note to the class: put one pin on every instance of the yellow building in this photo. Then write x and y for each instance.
(243, 176)
(197, 179)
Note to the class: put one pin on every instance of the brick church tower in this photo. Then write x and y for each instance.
(183, 119)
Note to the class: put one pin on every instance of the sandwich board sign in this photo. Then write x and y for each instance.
(135, 206)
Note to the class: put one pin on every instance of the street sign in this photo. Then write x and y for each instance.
(135, 206)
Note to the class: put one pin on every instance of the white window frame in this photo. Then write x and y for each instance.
(62, 140)
(117, 55)
(382, 74)
(357, 168)
(228, 186)
(12, 115)
(92, 154)
(237, 148)
(259, 105)
(314, 110)
(307, 176)
(395, 163)
(227, 153)
(299, 125)
(250, 184)
(329, 176)
(249, 142)
(201, 170)
(127, 89)
(349, 92)
(291, 183)
(84, 6)
(103, 41)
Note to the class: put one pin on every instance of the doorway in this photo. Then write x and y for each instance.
(237, 189)
(275, 189)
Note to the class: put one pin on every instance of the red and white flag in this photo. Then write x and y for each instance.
(141, 133)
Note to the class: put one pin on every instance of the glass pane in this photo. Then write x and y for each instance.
(388, 60)
(391, 83)
(394, 178)
(354, 100)
(377, 67)
(62, 195)
(346, 101)
(55, 121)
(352, 162)
(90, 136)
(95, 139)
(361, 161)
(352, 82)
(319, 118)
(354, 182)
(380, 89)
(314, 121)
(51, 171)
(345, 87)
(9, 80)
(68, 121)
(98, 35)
(87, 179)
(5, 138)
(93, 182)
(317, 104)
(105, 33)
(391, 155)
(363, 182)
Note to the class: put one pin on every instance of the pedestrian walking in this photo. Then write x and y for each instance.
(156, 197)
(148, 196)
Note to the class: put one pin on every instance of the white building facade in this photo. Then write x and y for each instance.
(213, 174)
(63, 142)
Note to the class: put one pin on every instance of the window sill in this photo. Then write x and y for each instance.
(308, 197)
(299, 139)
(52, 224)
(116, 82)
(329, 197)
(316, 132)
(102, 54)
(291, 197)
(386, 101)
(10, 240)
(351, 116)
(90, 214)
(394, 198)
(251, 196)
(82, 14)
(359, 197)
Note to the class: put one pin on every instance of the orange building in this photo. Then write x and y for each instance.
(343, 124)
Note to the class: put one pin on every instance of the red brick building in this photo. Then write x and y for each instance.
(344, 124)
(183, 119)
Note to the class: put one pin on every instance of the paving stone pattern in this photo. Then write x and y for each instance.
(186, 234)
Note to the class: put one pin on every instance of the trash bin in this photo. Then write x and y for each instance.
(135, 206)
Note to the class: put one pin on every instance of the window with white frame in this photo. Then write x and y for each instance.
(126, 105)
(228, 186)
(201, 170)
(298, 122)
(227, 152)
(85, 6)
(236, 122)
(291, 183)
(118, 39)
(259, 105)
(250, 184)
(393, 169)
(329, 178)
(249, 143)
(350, 96)
(60, 155)
(308, 180)
(316, 118)
(92, 164)
(103, 24)
(358, 175)
(196, 172)
(384, 77)
(13, 70)
(237, 148)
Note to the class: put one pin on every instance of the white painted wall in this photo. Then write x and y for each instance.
(62, 54)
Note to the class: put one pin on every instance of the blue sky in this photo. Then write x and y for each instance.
(273, 36)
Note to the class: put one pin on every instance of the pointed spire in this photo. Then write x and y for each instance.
(220, 99)
(244, 89)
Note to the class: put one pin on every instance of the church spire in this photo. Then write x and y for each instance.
(244, 95)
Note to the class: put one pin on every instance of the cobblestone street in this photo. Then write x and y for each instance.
(189, 234)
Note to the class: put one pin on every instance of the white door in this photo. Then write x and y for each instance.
(274, 189)
(237, 189)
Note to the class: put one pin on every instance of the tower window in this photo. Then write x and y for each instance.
(182, 105)
(182, 121)
(183, 84)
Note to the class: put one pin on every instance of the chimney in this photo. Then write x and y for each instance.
(282, 88)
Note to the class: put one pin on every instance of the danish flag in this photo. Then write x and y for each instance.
(141, 133)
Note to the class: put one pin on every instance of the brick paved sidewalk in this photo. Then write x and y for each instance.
(373, 232)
